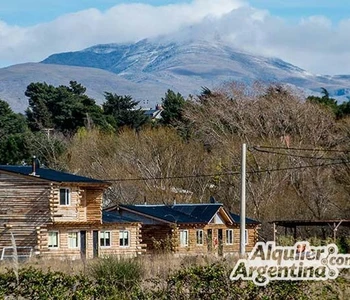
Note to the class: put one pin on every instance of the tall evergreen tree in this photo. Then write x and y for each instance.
(121, 111)
(64, 108)
(14, 136)
(173, 105)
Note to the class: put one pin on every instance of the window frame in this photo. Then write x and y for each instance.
(181, 232)
(246, 237)
(121, 244)
(77, 239)
(200, 235)
(67, 198)
(104, 239)
(57, 233)
(229, 237)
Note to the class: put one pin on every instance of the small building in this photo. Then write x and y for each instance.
(57, 214)
(154, 113)
(190, 228)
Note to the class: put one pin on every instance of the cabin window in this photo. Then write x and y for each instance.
(105, 238)
(124, 237)
(53, 239)
(64, 196)
(229, 236)
(183, 238)
(73, 240)
(246, 237)
(199, 237)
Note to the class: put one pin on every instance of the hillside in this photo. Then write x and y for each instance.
(146, 69)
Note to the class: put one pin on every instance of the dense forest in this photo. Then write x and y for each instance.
(297, 159)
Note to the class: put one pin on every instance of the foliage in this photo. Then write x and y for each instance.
(14, 136)
(339, 110)
(173, 105)
(190, 282)
(116, 273)
(121, 111)
(62, 108)
(36, 284)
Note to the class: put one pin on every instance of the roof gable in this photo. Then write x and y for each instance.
(51, 175)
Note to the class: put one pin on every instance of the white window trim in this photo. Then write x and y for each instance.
(68, 190)
(58, 239)
(129, 237)
(227, 242)
(202, 237)
(78, 239)
(110, 238)
(246, 237)
(186, 244)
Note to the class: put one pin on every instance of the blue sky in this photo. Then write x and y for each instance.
(312, 34)
(25, 13)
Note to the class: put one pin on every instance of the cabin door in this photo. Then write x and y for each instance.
(210, 240)
(83, 243)
(95, 243)
(220, 241)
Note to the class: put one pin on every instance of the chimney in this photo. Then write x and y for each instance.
(34, 166)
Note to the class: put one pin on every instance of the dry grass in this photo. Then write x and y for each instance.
(157, 265)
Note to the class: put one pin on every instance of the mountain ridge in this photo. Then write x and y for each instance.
(146, 69)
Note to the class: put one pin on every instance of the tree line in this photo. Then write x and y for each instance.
(297, 160)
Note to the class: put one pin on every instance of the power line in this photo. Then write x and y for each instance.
(304, 149)
(227, 173)
(292, 155)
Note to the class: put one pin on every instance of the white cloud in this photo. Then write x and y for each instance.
(314, 43)
(122, 23)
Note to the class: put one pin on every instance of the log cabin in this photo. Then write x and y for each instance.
(59, 215)
(190, 228)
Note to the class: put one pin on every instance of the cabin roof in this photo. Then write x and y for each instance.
(205, 212)
(163, 212)
(49, 174)
(237, 219)
(114, 217)
(196, 213)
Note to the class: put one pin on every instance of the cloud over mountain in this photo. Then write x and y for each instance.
(315, 43)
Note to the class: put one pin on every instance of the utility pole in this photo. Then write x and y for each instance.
(243, 205)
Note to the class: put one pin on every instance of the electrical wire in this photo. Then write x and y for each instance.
(292, 155)
(227, 173)
(304, 149)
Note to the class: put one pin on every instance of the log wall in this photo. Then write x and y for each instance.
(24, 207)
(64, 252)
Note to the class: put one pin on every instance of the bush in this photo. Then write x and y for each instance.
(35, 284)
(115, 274)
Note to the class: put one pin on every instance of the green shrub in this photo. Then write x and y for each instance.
(36, 284)
(116, 274)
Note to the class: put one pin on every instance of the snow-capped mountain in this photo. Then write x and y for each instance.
(146, 69)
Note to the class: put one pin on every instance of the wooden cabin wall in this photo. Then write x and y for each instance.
(64, 252)
(24, 206)
(157, 237)
(71, 212)
(94, 204)
(209, 245)
(85, 205)
(134, 247)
